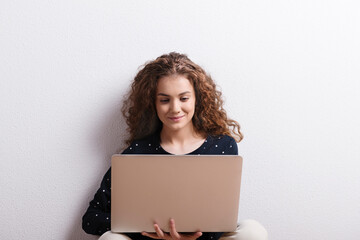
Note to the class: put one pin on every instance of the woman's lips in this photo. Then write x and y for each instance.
(176, 118)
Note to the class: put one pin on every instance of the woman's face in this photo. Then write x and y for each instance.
(175, 103)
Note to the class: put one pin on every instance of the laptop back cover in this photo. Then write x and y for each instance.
(201, 192)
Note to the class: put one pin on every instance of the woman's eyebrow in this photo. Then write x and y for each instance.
(166, 95)
(184, 93)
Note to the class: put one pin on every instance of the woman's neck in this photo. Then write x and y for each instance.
(181, 142)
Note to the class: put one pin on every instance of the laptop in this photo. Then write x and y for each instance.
(200, 192)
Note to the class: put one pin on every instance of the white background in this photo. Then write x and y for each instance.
(289, 72)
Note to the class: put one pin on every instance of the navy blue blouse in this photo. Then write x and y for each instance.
(96, 219)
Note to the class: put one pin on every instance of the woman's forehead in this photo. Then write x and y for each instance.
(175, 84)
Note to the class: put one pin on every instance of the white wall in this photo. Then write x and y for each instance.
(289, 71)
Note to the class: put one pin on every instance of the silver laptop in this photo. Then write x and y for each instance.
(200, 192)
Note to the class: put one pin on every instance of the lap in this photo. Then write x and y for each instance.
(114, 236)
(246, 230)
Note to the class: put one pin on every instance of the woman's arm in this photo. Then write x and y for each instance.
(96, 219)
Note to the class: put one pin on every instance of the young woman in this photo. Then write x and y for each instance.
(173, 108)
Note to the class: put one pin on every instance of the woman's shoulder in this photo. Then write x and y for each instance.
(221, 139)
(146, 145)
(221, 144)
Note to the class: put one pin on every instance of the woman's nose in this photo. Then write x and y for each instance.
(175, 106)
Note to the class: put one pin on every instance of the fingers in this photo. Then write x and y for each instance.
(158, 235)
(150, 235)
(191, 236)
(197, 235)
(159, 232)
(174, 234)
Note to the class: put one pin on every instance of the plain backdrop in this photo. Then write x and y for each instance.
(289, 72)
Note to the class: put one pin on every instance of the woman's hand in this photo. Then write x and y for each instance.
(172, 235)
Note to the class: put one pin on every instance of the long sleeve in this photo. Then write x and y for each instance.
(96, 219)
(231, 147)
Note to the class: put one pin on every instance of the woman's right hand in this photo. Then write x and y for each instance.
(173, 235)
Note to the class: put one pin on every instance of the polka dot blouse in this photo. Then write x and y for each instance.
(96, 220)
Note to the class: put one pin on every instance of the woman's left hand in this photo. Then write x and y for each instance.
(172, 235)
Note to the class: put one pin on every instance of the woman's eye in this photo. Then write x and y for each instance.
(164, 100)
(184, 99)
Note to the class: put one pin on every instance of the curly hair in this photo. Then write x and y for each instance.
(139, 109)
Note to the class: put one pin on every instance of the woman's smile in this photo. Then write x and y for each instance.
(176, 119)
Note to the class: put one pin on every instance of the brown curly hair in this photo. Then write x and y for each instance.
(139, 109)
